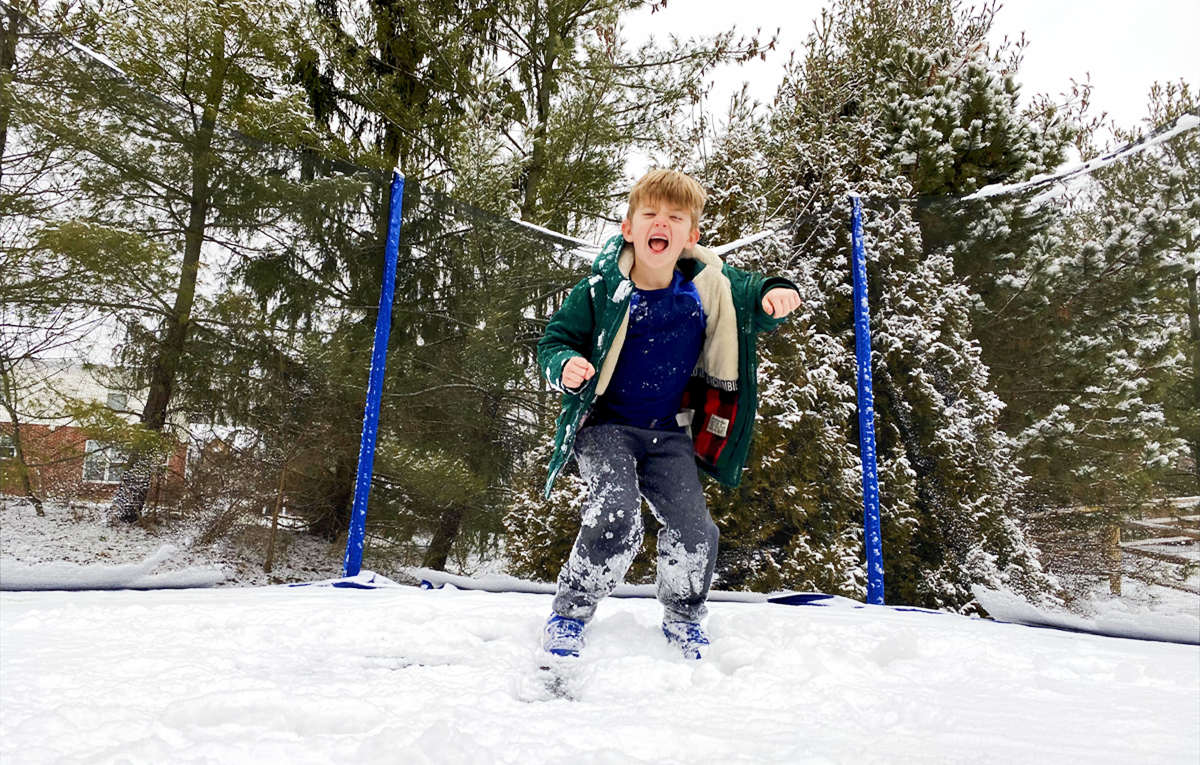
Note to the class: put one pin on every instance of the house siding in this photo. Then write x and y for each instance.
(55, 456)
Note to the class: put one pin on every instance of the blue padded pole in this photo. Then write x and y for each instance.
(383, 324)
(872, 537)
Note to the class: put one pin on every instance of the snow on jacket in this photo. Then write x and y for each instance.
(721, 399)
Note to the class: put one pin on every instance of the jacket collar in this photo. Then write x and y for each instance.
(615, 261)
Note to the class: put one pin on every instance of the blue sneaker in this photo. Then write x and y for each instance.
(563, 636)
(688, 637)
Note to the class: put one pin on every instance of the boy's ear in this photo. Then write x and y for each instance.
(693, 237)
(627, 229)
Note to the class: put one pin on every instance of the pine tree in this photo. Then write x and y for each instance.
(387, 85)
(148, 140)
(874, 106)
(580, 101)
(1119, 280)
(1082, 316)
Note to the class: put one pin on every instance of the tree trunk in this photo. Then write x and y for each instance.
(270, 561)
(8, 399)
(1114, 559)
(443, 538)
(1193, 288)
(8, 65)
(336, 518)
(545, 86)
(22, 465)
(23, 472)
(130, 497)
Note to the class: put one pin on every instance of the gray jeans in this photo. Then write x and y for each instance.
(621, 464)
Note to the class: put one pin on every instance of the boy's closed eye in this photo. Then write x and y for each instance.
(675, 217)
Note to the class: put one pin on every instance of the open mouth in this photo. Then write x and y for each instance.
(658, 244)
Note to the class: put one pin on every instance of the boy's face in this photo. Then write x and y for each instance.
(659, 232)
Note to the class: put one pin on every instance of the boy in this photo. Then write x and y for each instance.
(655, 355)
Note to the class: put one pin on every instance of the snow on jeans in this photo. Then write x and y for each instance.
(621, 464)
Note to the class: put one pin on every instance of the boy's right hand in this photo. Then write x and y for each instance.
(576, 372)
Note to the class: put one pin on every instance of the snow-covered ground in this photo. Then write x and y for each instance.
(404, 675)
(75, 545)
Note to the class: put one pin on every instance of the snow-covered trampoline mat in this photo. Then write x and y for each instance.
(399, 674)
(1116, 620)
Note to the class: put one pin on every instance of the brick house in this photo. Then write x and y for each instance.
(65, 461)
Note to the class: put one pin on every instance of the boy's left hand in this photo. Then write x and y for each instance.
(780, 301)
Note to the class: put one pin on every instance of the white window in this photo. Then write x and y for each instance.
(118, 402)
(8, 449)
(103, 462)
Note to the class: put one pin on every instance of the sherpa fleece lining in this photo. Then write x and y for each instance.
(718, 362)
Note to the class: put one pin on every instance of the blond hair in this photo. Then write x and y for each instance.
(672, 187)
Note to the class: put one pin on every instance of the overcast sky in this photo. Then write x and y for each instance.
(1125, 46)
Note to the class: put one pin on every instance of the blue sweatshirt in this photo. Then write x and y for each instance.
(662, 345)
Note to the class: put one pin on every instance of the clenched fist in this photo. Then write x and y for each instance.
(781, 301)
(576, 372)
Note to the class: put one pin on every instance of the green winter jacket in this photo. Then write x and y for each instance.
(592, 323)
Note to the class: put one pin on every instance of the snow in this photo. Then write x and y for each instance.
(73, 546)
(315, 674)
(505, 583)
(622, 291)
(400, 674)
(1112, 617)
(581, 248)
(60, 575)
(1182, 124)
(743, 242)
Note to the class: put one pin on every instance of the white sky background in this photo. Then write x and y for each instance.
(1125, 46)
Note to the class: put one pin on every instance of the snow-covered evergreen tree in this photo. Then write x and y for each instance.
(1114, 409)
(888, 101)
(1083, 315)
